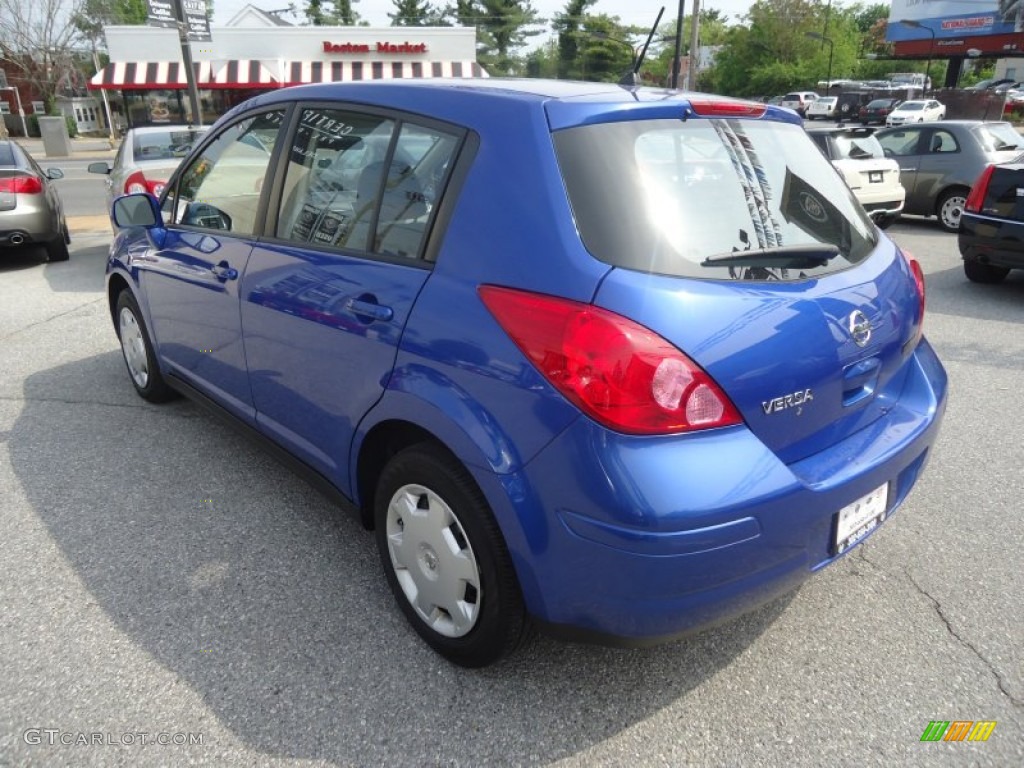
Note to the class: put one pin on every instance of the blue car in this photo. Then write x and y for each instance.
(614, 362)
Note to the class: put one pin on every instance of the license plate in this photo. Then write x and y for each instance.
(874, 176)
(857, 520)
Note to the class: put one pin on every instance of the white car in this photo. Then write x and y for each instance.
(916, 111)
(873, 177)
(798, 101)
(825, 108)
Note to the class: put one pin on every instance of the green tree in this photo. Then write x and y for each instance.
(414, 13)
(606, 48)
(326, 13)
(502, 29)
(568, 27)
(94, 15)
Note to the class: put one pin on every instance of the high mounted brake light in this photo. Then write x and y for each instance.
(723, 108)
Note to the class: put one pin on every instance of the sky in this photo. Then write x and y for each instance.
(639, 12)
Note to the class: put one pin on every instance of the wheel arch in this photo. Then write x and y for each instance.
(384, 440)
(115, 284)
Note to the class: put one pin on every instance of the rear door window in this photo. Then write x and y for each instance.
(364, 182)
(667, 195)
(901, 143)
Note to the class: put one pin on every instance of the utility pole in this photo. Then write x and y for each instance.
(691, 72)
(106, 102)
(678, 45)
(186, 57)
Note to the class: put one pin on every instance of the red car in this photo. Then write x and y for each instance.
(876, 111)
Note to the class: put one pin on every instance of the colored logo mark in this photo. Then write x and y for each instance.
(958, 730)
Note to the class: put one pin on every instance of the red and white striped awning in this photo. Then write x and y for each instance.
(298, 72)
(234, 73)
(254, 73)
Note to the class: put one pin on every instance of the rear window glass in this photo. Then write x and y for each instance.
(1000, 137)
(858, 147)
(6, 154)
(662, 196)
(911, 106)
(163, 145)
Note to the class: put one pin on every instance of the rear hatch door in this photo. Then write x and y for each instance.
(762, 268)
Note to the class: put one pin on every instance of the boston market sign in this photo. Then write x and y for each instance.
(390, 48)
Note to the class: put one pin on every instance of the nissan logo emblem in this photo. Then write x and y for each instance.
(860, 328)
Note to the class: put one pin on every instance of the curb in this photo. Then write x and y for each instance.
(98, 224)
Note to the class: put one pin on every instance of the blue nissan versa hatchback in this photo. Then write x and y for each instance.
(618, 362)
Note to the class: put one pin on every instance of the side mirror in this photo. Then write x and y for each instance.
(54, 173)
(138, 210)
(103, 168)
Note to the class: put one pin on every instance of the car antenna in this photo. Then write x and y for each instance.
(632, 77)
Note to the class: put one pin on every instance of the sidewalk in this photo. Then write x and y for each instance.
(81, 148)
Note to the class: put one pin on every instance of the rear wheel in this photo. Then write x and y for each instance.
(138, 351)
(984, 273)
(884, 222)
(950, 207)
(57, 249)
(445, 558)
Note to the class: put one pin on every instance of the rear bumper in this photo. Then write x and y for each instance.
(999, 242)
(644, 539)
(31, 225)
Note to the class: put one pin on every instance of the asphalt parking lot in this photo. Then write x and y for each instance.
(158, 575)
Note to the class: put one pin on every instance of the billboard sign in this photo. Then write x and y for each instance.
(954, 18)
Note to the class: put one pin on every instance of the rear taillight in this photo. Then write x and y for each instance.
(976, 197)
(918, 275)
(622, 375)
(21, 185)
(137, 182)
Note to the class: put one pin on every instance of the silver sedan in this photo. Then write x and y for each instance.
(31, 212)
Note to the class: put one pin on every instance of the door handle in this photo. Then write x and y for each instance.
(224, 271)
(369, 309)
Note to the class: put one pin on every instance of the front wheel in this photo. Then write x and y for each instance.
(445, 558)
(138, 351)
(950, 207)
(984, 273)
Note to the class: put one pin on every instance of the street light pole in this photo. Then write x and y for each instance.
(931, 48)
(819, 36)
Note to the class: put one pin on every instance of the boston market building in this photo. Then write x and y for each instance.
(256, 52)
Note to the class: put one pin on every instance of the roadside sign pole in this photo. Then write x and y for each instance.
(186, 57)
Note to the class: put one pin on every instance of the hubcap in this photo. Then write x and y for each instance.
(433, 561)
(951, 210)
(134, 347)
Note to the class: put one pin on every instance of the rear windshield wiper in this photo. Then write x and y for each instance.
(782, 257)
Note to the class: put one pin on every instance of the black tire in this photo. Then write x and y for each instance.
(950, 207)
(439, 483)
(884, 222)
(57, 249)
(984, 273)
(152, 386)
